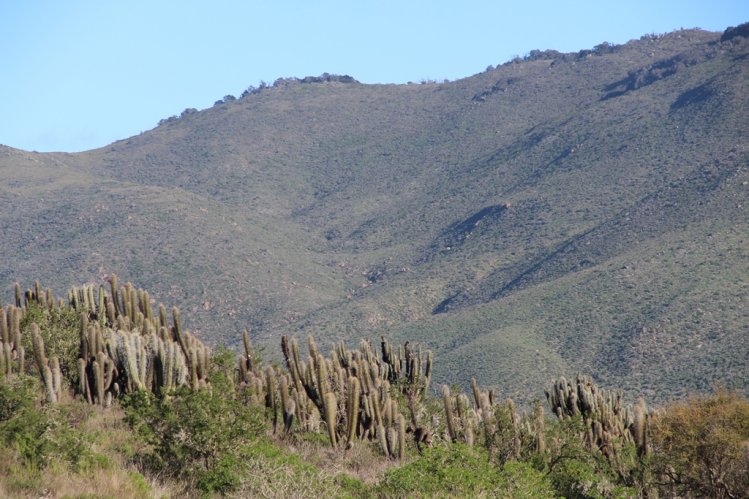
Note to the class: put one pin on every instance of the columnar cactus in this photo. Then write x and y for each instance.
(401, 436)
(449, 419)
(115, 301)
(352, 410)
(382, 437)
(330, 410)
(602, 411)
(49, 369)
(18, 295)
(639, 427)
(288, 405)
(539, 428)
(270, 395)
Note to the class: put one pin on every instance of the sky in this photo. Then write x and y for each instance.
(77, 75)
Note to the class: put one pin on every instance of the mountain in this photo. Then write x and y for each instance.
(558, 213)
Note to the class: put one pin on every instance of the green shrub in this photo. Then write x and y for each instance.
(200, 435)
(457, 470)
(351, 487)
(17, 393)
(40, 435)
(520, 479)
(454, 469)
(575, 471)
(140, 485)
(223, 476)
(27, 433)
(499, 435)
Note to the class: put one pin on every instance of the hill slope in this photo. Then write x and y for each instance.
(558, 213)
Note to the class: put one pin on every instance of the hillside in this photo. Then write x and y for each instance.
(558, 213)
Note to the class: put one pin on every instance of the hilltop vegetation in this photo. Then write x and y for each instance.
(144, 409)
(554, 214)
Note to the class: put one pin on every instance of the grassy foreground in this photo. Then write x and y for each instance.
(104, 395)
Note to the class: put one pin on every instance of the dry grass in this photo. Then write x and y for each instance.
(363, 461)
(114, 482)
(293, 466)
(109, 473)
(58, 480)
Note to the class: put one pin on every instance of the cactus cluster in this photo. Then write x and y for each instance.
(358, 395)
(482, 418)
(126, 347)
(352, 394)
(12, 350)
(365, 394)
(607, 420)
(39, 296)
(498, 426)
(269, 388)
(88, 299)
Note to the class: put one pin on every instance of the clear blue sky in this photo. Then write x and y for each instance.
(77, 75)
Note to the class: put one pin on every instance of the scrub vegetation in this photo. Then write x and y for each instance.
(146, 410)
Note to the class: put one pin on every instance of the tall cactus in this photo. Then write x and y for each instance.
(401, 436)
(4, 329)
(639, 427)
(18, 295)
(270, 395)
(50, 373)
(449, 418)
(330, 409)
(352, 410)
(288, 405)
(539, 428)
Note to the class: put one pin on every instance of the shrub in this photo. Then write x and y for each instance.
(454, 469)
(40, 435)
(575, 471)
(702, 445)
(519, 479)
(457, 470)
(199, 434)
(17, 393)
